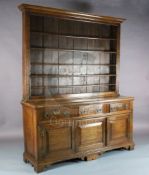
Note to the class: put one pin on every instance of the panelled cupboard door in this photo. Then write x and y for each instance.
(55, 140)
(118, 129)
(90, 134)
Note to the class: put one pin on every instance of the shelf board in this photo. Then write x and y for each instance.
(71, 86)
(58, 64)
(63, 49)
(56, 75)
(74, 36)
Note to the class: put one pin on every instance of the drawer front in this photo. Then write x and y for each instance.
(119, 106)
(90, 109)
(45, 114)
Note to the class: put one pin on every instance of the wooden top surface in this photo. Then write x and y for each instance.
(69, 14)
(72, 101)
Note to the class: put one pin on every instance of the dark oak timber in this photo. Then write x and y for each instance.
(71, 102)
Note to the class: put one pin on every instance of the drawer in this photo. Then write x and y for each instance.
(90, 109)
(119, 106)
(56, 112)
(47, 113)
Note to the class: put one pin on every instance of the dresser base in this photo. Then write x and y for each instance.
(41, 166)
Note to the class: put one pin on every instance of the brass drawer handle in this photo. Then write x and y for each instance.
(98, 110)
(82, 112)
(46, 115)
(56, 112)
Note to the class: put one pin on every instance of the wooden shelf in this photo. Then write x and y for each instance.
(72, 36)
(63, 49)
(58, 64)
(72, 75)
(71, 86)
(89, 50)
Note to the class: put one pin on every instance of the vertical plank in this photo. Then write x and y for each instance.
(117, 59)
(26, 58)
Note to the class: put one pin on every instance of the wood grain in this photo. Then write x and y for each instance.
(71, 102)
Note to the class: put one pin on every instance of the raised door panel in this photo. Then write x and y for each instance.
(118, 129)
(59, 139)
(55, 140)
(90, 134)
